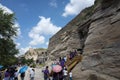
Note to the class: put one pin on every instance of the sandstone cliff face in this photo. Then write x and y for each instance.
(101, 60)
(98, 34)
(67, 39)
(63, 42)
(35, 54)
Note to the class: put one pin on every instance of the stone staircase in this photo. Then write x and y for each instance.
(73, 62)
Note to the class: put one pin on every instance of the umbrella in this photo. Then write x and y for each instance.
(1, 66)
(23, 69)
(57, 68)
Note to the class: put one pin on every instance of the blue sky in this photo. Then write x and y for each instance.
(38, 20)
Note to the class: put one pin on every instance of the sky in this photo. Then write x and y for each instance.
(39, 20)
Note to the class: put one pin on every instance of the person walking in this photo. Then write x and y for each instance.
(32, 74)
(65, 73)
(16, 74)
(30, 70)
(70, 75)
(46, 73)
(7, 74)
(12, 72)
(22, 75)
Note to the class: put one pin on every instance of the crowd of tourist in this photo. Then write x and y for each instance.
(11, 73)
(63, 74)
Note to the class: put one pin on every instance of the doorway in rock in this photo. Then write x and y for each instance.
(83, 33)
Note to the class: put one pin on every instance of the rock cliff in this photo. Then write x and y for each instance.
(96, 30)
(35, 54)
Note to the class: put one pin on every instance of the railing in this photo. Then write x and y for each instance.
(73, 62)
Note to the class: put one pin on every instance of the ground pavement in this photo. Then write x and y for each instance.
(38, 75)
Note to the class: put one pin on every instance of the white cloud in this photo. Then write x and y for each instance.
(37, 40)
(6, 10)
(16, 25)
(75, 6)
(53, 3)
(17, 45)
(24, 50)
(43, 27)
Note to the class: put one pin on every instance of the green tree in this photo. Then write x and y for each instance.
(24, 61)
(7, 33)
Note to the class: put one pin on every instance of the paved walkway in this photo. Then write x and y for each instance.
(38, 75)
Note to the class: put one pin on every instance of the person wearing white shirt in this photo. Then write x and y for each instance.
(32, 74)
(30, 70)
(65, 72)
(70, 75)
(16, 74)
(65, 58)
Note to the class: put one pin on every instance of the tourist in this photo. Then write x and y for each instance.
(75, 53)
(52, 65)
(30, 70)
(22, 75)
(65, 58)
(60, 75)
(60, 59)
(62, 63)
(65, 73)
(7, 74)
(32, 74)
(16, 74)
(70, 75)
(46, 73)
(54, 76)
(71, 55)
(12, 72)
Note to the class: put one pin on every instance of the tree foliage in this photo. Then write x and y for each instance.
(26, 61)
(7, 32)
